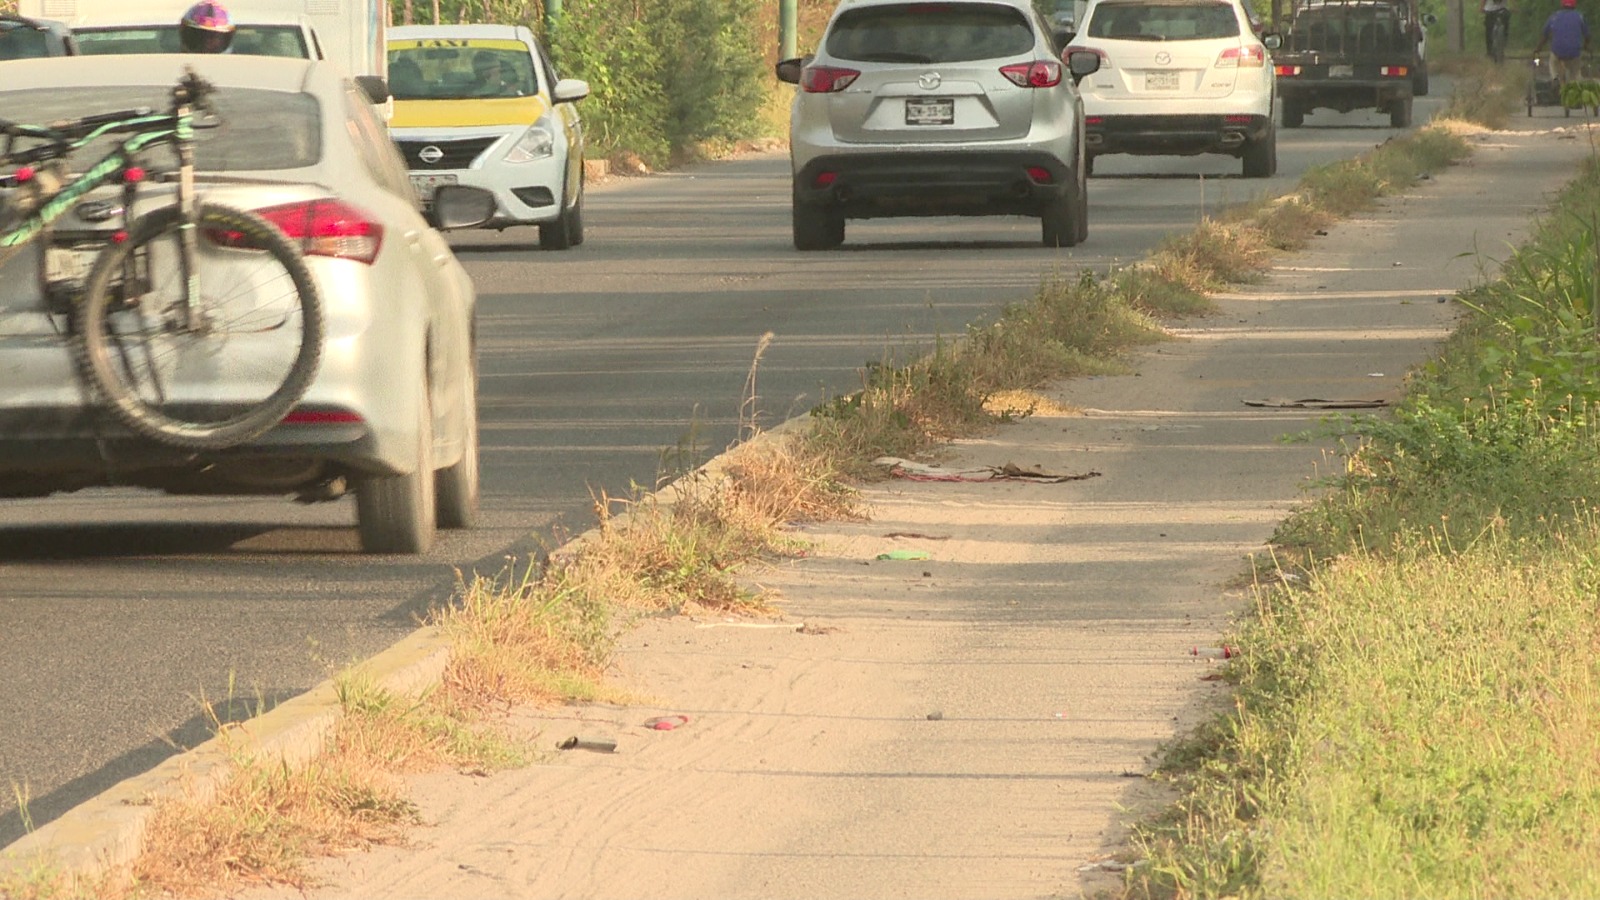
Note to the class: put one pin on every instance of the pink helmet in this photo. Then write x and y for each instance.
(205, 28)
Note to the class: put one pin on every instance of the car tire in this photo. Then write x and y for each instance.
(1419, 82)
(1294, 115)
(396, 513)
(816, 227)
(1261, 157)
(456, 487)
(1400, 113)
(1058, 221)
(1083, 208)
(561, 234)
(575, 218)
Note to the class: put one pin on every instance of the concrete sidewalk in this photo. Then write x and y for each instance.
(973, 725)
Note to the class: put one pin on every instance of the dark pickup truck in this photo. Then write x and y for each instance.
(1352, 54)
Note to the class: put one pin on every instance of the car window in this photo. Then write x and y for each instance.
(1353, 28)
(459, 69)
(259, 129)
(248, 40)
(19, 41)
(930, 33)
(374, 146)
(1144, 21)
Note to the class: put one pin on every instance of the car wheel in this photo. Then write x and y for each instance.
(1294, 115)
(1083, 208)
(575, 219)
(817, 227)
(1419, 83)
(1261, 157)
(396, 513)
(558, 235)
(1059, 220)
(1400, 114)
(456, 487)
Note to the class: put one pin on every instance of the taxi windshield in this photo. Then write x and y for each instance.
(460, 70)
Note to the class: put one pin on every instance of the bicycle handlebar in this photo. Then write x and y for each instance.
(59, 138)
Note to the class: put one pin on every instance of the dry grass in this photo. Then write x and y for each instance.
(546, 635)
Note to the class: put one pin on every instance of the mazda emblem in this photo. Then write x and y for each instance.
(928, 80)
(99, 210)
(430, 154)
(1163, 58)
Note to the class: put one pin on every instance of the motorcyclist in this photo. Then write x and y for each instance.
(205, 28)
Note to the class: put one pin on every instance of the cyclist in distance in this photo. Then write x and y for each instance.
(205, 28)
(1568, 36)
(1496, 11)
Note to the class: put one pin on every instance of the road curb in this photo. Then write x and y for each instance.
(99, 839)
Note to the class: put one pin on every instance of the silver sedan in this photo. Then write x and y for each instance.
(391, 412)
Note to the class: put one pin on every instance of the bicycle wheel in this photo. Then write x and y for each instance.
(1497, 41)
(229, 369)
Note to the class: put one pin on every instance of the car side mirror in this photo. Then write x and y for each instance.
(1272, 40)
(460, 206)
(375, 87)
(788, 70)
(569, 90)
(1082, 63)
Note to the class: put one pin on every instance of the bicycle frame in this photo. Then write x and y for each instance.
(50, 202)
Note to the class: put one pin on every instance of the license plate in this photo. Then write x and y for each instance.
(931, 111)
(1161, 81)
(68, 264)
(424, 185)
(1341, 71)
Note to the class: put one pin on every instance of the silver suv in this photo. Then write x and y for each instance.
(948, 108)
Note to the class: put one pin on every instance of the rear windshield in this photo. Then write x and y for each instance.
(930, 33)
(248, 40)
(460, 69)
(260, 130)
(1349, 29)
(23, 42)
(1163, 21)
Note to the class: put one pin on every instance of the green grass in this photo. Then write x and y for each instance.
(1416, 715)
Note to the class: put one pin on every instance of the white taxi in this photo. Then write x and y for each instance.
(481, 105)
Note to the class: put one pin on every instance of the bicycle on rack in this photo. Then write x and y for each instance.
(172, 296)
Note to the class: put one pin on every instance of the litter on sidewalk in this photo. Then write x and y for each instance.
(915, 471)
(1313, 403)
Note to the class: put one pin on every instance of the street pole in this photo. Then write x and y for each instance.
(788, 24)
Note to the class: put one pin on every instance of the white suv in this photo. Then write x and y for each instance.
(1179, 77)
(955, 108)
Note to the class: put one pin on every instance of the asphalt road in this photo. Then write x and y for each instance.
(128, 620)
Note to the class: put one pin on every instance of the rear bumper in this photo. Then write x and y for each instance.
(979, 183)
(1344, 94)
(1174, 134)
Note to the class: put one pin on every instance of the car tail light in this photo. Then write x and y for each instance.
(827, 79)
(1392, 71)
(1287, 70)
(1250, 56)
(825, 179)
(312, 416)
(1105, 58)
(1236, 120)
(327, 228)
(1094, 120)
(1039, 175)
(1037, 74)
